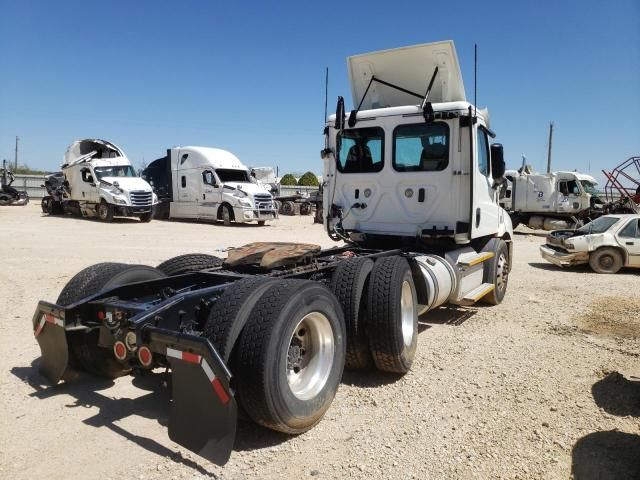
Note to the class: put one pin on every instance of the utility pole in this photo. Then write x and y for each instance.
(550, 142)
(16, 162)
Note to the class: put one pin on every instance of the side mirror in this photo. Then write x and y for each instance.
(498, 166)
(340, 115)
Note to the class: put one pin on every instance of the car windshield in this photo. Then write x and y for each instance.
(589, 187)
(233, 175)
(117, 171)
(599, 225)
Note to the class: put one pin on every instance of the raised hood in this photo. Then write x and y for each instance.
(410, 68)
(92, 148)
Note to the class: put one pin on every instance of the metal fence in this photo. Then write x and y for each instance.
(30, 183)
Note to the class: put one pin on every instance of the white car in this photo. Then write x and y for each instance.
(607, 244)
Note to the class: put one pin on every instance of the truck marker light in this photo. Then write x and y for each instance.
(101, 315)
(120, 350)
(144, 356)
(193, 358)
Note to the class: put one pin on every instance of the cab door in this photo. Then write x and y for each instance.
(486, 214)
(210, 194)
(89, 189)
(629, 239)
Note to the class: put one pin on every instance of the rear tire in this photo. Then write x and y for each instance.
(349, 284)
(291, 356)
(231, 312)
(393, 315)
(606, 260)
(191, 262)
(288, 208)
(261, 223)
(105, 212)
(496, 270)
(85, 352)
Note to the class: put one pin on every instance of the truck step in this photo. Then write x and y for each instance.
(477, 293)
(471, 259)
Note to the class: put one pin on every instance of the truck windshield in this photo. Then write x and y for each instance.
(233, 175)
(589, 187)
(599, 225)
(117, 171)
(361, 150)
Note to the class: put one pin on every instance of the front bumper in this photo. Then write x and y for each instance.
(563, 258)
(249, 214)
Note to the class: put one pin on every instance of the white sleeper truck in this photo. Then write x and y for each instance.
(552, 200)
(99, 181)
(209, 184)
(412, 195)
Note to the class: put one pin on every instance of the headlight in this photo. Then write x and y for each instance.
(239, 194)
(245, 202)
(154, 198)
(120, 200)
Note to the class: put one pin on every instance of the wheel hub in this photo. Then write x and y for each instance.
(310, 356)
(502, 272)
(407, 313)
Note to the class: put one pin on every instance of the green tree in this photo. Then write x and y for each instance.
(288, 179)
(309, 179)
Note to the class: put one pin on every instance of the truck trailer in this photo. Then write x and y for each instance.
(411, 194)
(209, 184)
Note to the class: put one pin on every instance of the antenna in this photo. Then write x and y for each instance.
(475, 79)
(549, 149)
(326, 91)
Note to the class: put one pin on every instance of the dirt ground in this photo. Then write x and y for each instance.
(540, 386)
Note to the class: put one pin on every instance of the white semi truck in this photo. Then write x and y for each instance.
(99, 181)
(551, 200)
(209, 184)
(411, 188)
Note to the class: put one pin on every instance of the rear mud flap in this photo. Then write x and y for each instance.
(48, 328)
(203, 411)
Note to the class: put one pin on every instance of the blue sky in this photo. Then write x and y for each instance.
(250, 77)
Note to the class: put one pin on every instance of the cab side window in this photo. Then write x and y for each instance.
(631, 230)
(207, 177)
(86, 175)
(483, 152)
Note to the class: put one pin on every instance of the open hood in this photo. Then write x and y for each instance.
(410, 68)
(82, 150)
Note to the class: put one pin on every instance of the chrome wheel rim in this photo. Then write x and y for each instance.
(502, 272)
(226, 216)
(102, 211)
(407, 313)
(310, 356)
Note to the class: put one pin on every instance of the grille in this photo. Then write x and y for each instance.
(263, 201)
(140, 198)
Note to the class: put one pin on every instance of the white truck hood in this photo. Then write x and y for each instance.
(410, 68)
(249, 188)
(129, 184)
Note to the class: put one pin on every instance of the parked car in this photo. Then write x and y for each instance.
(607, 244)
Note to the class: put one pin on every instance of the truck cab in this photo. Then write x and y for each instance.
(550, 200)
(209, 184)
(407, 166)
(100, 181)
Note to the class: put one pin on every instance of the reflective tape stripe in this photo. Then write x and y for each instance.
(47, 318)
(193, 358)
(222, 394)
(40, 326)
(180, 355)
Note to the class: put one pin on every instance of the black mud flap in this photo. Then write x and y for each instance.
(48, 328)
(203, 411)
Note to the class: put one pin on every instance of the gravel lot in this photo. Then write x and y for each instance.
(540, 386)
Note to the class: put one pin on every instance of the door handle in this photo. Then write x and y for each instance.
(203, 196)
(629, 243)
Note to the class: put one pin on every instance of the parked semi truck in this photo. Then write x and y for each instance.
(552, 200)
(100, 182)
(208, 183)
(411, 189)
